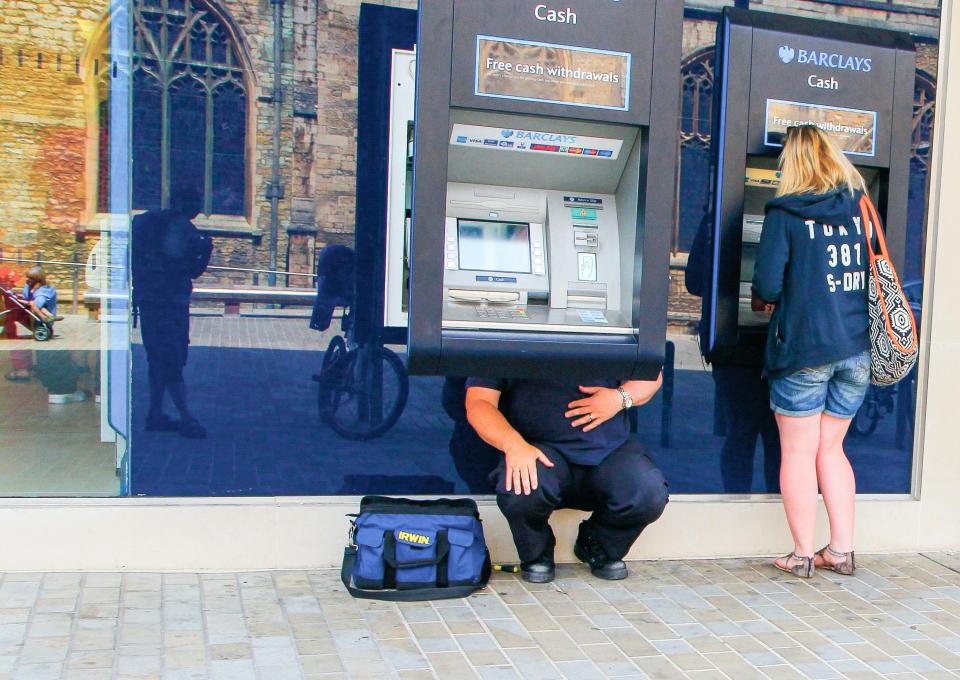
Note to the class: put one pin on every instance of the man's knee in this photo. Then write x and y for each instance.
(540, 501)
(537, 503)
(654, 498)
(634, 488)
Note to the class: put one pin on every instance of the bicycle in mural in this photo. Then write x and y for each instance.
(362, 386)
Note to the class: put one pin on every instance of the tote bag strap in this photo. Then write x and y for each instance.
(871, 220)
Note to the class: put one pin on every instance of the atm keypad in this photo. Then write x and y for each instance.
(502, 313)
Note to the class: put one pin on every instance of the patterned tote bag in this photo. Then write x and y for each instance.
(893, 330)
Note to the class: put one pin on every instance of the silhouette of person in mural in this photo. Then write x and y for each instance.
(168, 252)
(473, 458)
(741, 392)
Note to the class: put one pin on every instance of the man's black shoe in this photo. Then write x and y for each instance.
(588, 550)
(541, 570)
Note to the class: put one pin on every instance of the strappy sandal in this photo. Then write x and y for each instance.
(803, 566)
(846, 566)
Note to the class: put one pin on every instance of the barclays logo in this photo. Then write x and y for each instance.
(506, 134)
(546, 137)
(834, 60)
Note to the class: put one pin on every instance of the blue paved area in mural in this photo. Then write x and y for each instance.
(265, 437)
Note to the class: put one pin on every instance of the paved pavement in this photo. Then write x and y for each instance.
(898, 618)
(54, 449)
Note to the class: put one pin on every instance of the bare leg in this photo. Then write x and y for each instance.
(837, 482)
(799, 443)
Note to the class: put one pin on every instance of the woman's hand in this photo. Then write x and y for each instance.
(521, 461)
(602, 405)
(758, 304)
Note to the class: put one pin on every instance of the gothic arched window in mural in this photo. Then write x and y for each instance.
(695, 122)
(189, 107)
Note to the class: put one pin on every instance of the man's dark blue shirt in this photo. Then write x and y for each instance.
(536, 408)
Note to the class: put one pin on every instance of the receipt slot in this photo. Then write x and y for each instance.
(775, 71)
(544, 183)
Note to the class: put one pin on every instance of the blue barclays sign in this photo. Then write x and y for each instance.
(822, 59)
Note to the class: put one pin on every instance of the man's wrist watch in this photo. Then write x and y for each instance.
(627, 399)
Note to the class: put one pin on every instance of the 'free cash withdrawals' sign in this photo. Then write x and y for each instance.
(556, 74)
(855, 131)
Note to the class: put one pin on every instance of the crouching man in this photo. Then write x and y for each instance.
(567, 445)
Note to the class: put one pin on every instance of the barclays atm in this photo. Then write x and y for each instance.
(775, 71)
(543, 187)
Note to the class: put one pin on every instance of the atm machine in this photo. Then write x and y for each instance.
(385, 98)
(773, 71)
(543, 187)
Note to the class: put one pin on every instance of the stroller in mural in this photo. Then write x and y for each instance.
(14, 309)
(363, 386)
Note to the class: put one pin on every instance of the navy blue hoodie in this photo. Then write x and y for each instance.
(813, 263)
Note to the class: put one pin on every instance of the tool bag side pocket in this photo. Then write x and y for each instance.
(467, 558)
(370, 568)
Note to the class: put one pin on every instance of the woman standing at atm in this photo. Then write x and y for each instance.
(811, 272)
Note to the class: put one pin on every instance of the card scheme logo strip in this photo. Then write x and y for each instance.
(535, 141)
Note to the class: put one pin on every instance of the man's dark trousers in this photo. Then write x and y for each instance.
(626, 492)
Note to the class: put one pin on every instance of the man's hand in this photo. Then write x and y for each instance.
(521, 460)
(602, 405)
(758, 304)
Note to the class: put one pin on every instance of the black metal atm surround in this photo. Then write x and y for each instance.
(544, 183)
(773, 71)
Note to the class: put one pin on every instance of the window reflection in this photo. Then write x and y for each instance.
(60, 90)
(189, 84)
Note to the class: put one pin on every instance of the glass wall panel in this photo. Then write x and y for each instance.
(219, 192)
(64, 342)
(294, 379)
(720, 436)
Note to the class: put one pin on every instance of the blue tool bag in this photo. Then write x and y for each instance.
(407, 550)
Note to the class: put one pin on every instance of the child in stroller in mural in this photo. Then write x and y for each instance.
(36, 308)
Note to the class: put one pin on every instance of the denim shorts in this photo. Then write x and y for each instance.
(837, 389)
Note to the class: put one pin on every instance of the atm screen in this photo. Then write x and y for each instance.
(494, 246)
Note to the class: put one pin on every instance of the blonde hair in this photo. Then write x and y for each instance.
(812, 163)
